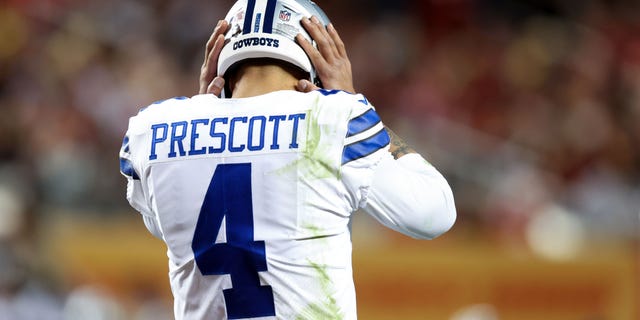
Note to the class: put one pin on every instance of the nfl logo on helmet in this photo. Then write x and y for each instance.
(285, 15)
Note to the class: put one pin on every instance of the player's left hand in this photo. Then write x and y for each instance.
(210, 82)
(329, 59)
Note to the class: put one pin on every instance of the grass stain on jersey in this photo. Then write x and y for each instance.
(317, 160)
(327, 309)
(316, 153)
(313, 229)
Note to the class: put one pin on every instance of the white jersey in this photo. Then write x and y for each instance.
(253, 198)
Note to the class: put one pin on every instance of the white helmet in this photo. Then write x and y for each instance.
(267, 29)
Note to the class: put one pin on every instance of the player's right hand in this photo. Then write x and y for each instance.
(329, 59)
(210, 82)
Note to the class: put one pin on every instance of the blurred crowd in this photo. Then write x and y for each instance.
(530, 108)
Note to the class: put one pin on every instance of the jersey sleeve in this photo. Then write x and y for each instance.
(365, 143)
(135, 194)
(136, 191)
(407, 195)
(410, 196)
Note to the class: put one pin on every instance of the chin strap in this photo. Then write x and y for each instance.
(313, 77)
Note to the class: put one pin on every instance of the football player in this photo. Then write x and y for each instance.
(253, 193)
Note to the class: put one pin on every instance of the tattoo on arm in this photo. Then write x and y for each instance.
(398, 147)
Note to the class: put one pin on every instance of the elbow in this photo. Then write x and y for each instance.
(435, 213)
(435, 225)
(439, 223)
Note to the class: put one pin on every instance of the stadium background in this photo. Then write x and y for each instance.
(530, 108)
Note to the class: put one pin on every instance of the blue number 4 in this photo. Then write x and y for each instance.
(229, 195)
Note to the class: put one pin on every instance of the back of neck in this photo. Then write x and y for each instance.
(255, 80)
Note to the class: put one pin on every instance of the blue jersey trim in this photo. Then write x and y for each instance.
(363, 122)
(365, 147)
(126, 167)
(125, 144)
(326, 92)
(329, 92)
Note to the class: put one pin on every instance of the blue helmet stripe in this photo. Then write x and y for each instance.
(248, 16)
(268, 16)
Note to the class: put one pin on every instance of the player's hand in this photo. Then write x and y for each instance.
(209, 80)
(329, 59)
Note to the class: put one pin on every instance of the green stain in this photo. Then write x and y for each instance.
(315, 230)
(326, 309)
(318, 159)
